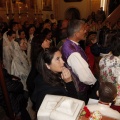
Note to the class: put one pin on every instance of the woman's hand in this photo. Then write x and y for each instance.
(66, 75)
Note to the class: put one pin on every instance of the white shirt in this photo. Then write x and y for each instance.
(104, 110)
(81, 68)
(53, 20)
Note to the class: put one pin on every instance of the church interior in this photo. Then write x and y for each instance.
(59, 59)
(36, 9)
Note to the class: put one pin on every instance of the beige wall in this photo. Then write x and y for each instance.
(59, 7)
(83, 7)
(95, 5)
(46, 14)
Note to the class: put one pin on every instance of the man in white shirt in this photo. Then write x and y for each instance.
(76, 58)
(52, 19)
(107, 93)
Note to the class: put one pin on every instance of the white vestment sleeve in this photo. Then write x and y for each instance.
(81, 68)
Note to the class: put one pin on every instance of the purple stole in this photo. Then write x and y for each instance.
(68, 48)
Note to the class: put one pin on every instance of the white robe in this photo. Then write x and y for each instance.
(20, 66)
(104, 110)
(29, 48)
(8, 50)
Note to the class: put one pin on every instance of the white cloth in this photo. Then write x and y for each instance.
(8, 50)
(5, 35)
(29, 48)
(20, 66)
(56, 107)
(104, 110)
(81, 68)
(53, 20)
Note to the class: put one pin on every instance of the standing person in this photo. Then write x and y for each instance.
(13, 27)
(52, 19)
(76, 58)
(53, 78)
(91, 39)
(30, 36)
(39, 43)
(110, 66)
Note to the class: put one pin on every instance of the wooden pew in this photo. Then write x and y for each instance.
(5, 93)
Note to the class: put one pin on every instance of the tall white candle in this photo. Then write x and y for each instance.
(12, 7)
(6, 7)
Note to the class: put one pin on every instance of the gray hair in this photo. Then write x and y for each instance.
(74, 26)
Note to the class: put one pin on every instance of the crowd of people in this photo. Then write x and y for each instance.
(59, 58)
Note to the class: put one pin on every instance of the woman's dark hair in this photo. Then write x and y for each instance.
(90, 36)
(19, 31)
(46, 31)
(45, 57)
(10, 32)
(18, 40)
(102, 35)
(47, 21)
(107, 92)
(27, 32)
(12, 24)
(36, 47)
(115, 44)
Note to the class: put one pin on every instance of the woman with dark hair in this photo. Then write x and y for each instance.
(110, 65)
(38, 44)
(8, 49)
(53, 78)
(30, 36)
(20, 66)
(48, 35)
(21, 34)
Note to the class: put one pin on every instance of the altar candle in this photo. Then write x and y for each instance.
(6, 7)
(12, 7)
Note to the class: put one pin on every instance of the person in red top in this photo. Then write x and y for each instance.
(91, 39)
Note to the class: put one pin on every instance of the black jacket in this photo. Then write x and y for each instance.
(42, 88)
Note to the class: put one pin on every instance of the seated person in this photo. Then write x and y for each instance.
(17, 96)
(53, 78)
(107, 94)
(20, 66)
(3, 115)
